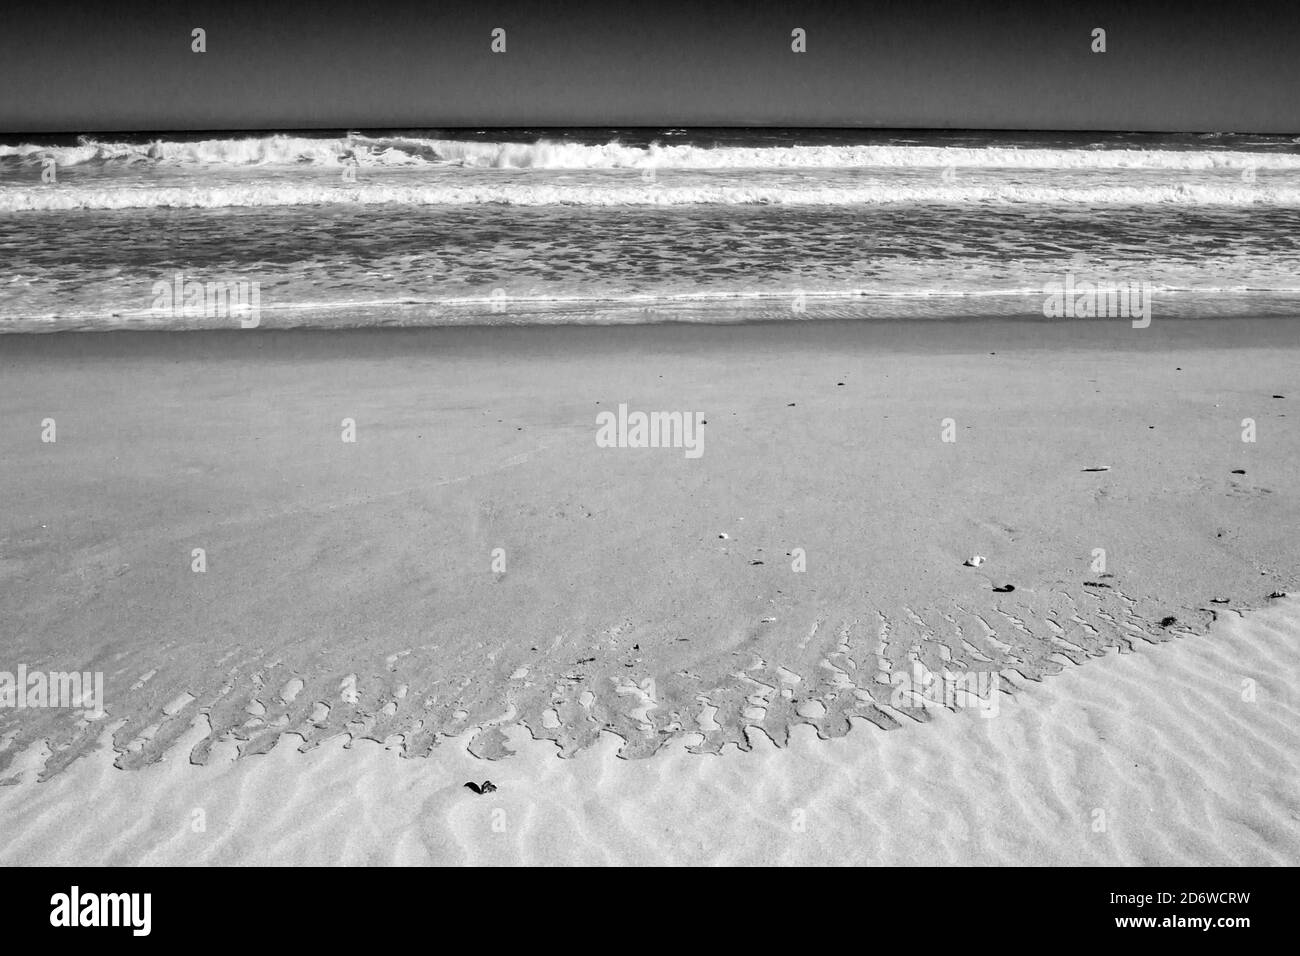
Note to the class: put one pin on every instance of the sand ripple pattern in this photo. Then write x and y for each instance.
(1145, 758)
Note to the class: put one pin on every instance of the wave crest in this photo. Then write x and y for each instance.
(400, 151)
(270, 194)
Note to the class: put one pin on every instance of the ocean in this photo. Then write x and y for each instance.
(445, 227)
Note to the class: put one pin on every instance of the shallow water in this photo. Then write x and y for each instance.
(401, 229)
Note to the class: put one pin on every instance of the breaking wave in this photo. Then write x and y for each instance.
(402, 151)
(269, 194)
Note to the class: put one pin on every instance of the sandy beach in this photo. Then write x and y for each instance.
(474, 575)
(1148, 758)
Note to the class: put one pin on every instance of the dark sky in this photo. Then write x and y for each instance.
(1226, 66)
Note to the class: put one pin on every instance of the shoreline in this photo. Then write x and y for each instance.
(725, 309)
(1193, 332)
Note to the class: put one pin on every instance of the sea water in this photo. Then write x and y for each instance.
(436, 227)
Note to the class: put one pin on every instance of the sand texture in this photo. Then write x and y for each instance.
(349, 587)
(1162, 756)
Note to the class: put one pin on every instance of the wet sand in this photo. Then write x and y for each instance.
(350, 588)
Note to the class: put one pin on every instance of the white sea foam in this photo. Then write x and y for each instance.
(612, 155)
(692, 307)
(366, 151)
(634, 193)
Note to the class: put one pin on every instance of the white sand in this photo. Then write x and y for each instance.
(348, 594)
(1161, 741)
(360, 573)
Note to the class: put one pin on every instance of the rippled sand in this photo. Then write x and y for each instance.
(649, 602)
(1160, 756)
